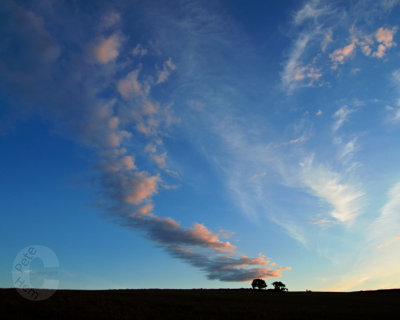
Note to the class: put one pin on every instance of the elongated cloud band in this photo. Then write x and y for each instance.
(103, 105)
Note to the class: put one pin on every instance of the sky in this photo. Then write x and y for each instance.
(202, 144)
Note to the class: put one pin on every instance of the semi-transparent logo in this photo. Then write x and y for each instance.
(35, 272)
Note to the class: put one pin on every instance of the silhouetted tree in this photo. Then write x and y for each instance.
(258, 283)
(279, 286)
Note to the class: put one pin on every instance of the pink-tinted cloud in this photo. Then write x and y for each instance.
(307, 72)
(202, 234)
(388, 243)
(141, 187)
(146, 209)
(114, 139)
(149, 107)
(87, 114)
(385, 36)
(198, 245)
(131, 87)
(323, 222)
(107, 49)
(128, 162)
(385, 40)
(225, 267)
(340, 55)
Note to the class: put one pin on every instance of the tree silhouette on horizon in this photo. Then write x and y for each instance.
(258, 283)
(279, 286)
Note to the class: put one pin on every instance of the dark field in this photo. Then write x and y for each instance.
(202, 304)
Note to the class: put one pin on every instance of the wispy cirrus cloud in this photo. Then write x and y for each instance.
(139, 51)
(294, 71)
(341, 116)
(386, 226)
(311, 10)
(327, 40)
(345, 199)
(300, 69)
(315, 23)
(388, 243)
(164, 73)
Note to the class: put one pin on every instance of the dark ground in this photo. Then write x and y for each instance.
(202, 304)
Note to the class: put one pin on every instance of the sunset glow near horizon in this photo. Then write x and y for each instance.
(202, 144)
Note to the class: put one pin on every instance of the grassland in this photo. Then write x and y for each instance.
(202, 304)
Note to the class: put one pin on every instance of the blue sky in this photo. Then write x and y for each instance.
(202, 143)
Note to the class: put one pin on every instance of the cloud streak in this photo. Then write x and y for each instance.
(109, 103)
(327, 185)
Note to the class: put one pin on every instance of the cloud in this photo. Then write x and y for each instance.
(168, 233)
(298, 140)
(388, 243)
(383, 37)
(139, 51)
(328, 185)
(323, 222)
(22, 28)
(141, 187)
(110, 19)
(388, 222)
(311, 10)
(394, 113)
(258, 175)
(347, 149)
(319, 112)
(128, 162)
(107, 49)
(293, 71)
(385, 40)
(146, 209)
(227, 268)
(327, 40)
(340, 55)
(163, 74)
(307, 72)
(82, 107)
(159, 159)
(131, 87)
(341, 117)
